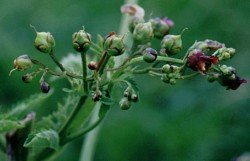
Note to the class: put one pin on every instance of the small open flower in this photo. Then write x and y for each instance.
(231, 82)
(198, 61)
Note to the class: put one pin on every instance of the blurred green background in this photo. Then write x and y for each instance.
(191, 121)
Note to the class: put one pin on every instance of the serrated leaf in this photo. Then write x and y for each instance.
(57, 118)
(21, 109)
(10, 125)
(132, 83)
(45, 139)
(107, 101)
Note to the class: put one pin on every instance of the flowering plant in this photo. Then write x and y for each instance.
(105, 64)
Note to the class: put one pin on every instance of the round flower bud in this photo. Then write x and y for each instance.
(172, 44)
(113, 44)
(27, 78)
(133, 21)
(44, 42)
(134, 98)
(170, 68)
(225, 53)
(22, 62)
(92, 65)
(149, 55)
(161, 26)
(128, 92)
(143, 32)
(211, 77)
(81, 41)
(45, 87)
(125, 104)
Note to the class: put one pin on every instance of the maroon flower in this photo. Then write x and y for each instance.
(198, 61)
(231, 82)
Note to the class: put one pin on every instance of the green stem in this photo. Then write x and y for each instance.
(67, 129)
(93, 124)
(84, 73)
(56, 61)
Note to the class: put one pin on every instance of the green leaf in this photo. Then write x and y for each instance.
(107, 101)
(23, 108)
(57, 118)
(10, 125)
(45, 139)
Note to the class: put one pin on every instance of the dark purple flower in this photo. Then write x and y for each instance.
(231, 82)
(198, 61)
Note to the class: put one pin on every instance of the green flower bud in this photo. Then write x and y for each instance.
(225, 53)
(161, 26)
(113, 44)
(149, 55)
(27, 78)
(211, 77)
(22, 62)
(81, 41)
(45, 87)
(172, 44)
(143, 32)
(133, 21)
(170, 68)
(125, 104)
(44, 42)
(227, 70)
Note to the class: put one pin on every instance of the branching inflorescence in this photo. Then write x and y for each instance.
(100, 72)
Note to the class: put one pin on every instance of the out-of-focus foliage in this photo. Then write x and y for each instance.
(193, 120)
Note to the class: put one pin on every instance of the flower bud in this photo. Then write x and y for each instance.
(97, 96)
(133, 21)
(134, 98)
(149, 55)
(44, 42)
(143, 32)
(125, 104)
(207, 45)
(161, 26)
(45, 87)
(113, 44)
(227, 70)
(225, 53)
(211, 77)
(22, 62)
(172, 44)
(128, 92)
(27, 78)
(92, 65)
(170, 68)
(81, 41)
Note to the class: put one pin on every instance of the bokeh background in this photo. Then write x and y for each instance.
(193, 120)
